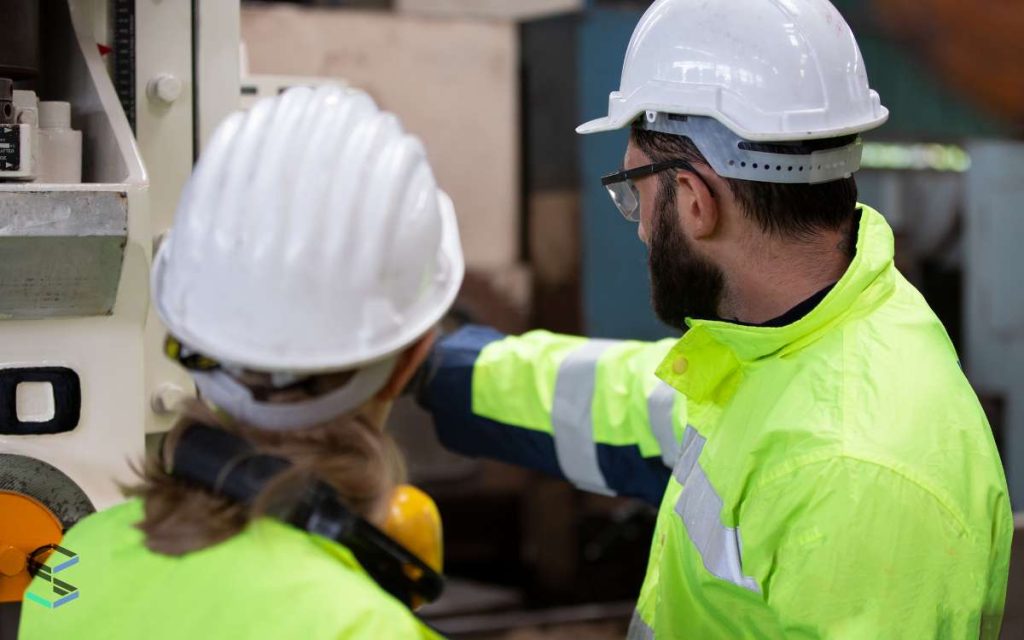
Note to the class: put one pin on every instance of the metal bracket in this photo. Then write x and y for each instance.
(62, 252)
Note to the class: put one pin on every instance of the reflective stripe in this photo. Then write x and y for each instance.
(638, 629)
(659, 412)
(571, 417)
(690, 450)
(700, 507)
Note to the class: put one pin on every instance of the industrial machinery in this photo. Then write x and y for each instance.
(256, 86)
(104, 105)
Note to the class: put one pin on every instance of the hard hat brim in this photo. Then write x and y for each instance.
(598, 125)
(608, 123)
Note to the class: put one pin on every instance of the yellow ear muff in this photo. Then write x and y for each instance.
(414, 522)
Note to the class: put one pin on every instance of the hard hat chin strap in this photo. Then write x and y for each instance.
(224, 391)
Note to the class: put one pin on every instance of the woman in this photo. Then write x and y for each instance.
(311, 255)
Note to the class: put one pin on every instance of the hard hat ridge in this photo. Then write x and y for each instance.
(313, 186)
(312, 237)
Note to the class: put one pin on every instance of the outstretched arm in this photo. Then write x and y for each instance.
(589, 411)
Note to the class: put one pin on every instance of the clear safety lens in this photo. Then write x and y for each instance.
(626, 198)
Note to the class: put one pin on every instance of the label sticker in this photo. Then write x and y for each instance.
(10, 148)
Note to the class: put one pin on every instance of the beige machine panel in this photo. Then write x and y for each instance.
(502, 9)
(454, 82)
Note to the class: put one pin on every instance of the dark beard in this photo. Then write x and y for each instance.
(683, 284)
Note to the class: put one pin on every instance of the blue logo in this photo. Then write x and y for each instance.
(60, 592)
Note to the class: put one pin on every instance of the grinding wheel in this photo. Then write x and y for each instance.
(38, 503)
(47, 484)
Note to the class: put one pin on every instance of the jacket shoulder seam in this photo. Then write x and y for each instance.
(946, 507)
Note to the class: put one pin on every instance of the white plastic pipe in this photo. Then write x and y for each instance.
(60, 146)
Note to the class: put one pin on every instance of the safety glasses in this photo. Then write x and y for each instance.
(624, 193)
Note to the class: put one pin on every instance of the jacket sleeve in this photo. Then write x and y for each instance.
(384, 619)
(589, 411)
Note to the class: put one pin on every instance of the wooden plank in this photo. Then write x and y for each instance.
(554, 249)
(520, 10)
(453, 82)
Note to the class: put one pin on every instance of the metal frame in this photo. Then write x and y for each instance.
(994, 310)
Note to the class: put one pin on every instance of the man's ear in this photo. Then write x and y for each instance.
(696, 204)
(406, 367)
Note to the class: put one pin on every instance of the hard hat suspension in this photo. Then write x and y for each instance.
(733, 157)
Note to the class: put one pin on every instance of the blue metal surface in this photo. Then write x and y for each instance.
(616, 289)
(921, 106)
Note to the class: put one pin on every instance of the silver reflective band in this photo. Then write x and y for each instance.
(638, 629)
(690, 450)
(571, 417)
(659, 413)
(700, 508)
(721, 147)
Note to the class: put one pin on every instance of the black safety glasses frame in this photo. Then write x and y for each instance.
(625, 194)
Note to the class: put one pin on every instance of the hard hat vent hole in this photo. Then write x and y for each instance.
(743, 164)
(778, 168)
(732, 163)
(755, 165)
(791, 168)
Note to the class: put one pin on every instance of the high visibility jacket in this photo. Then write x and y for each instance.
(832, 478)
(269, 581)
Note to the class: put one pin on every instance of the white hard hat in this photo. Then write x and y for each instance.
(765, 70)
(312, 237)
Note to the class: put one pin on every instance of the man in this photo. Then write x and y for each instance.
(823, 467)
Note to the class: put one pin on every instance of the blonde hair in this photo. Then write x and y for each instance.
(348, 453)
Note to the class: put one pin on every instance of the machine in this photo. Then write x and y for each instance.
(104, 106)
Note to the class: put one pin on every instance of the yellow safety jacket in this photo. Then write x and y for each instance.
(831, 478)
(269, 581)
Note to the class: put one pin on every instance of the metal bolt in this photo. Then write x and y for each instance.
(164, 88)
(168, 399)
(12, 561)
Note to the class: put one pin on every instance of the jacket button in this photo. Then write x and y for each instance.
(680, 366)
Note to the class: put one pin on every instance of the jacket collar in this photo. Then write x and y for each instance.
(706, 362)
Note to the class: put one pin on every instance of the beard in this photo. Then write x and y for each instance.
(683, 283)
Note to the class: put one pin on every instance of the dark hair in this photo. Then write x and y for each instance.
(789, 210)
